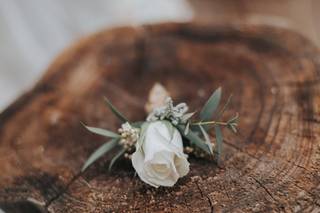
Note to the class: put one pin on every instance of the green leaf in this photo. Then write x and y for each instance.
(207, 139)
(225, 106)
(219, 140)
(234, 119)
(99, 153)
(115, 111)
(187, 116)
(115, 158)
(232, 127)
(194, 139)
(137, 124)
(187, 128)
(211, 105)
(103, 132)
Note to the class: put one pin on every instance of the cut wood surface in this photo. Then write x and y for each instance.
(273, 164)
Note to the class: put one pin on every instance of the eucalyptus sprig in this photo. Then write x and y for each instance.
(196, 132)
(192, 130)
(111, 144)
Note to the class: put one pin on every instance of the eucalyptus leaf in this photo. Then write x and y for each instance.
(102, 132)
(115, 158)
(187, 116)
(187, 128)
(99, 153)
(233, 128)
(219, 140)
(225, 106)
(196, 129)
(137, 124)
(194, 139)
(115, 111)
(234, 119)
(211, 105)
(207, 139)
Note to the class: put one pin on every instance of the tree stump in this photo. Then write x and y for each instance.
(273, 164)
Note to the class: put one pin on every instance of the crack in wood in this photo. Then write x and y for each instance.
(264, 187)
(260, 160)
(64, 190)
(205, 196)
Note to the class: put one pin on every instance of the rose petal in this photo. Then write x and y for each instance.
(182, 165)
(160, 161)
(137, 163)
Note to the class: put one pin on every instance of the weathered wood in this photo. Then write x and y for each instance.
(272, 165)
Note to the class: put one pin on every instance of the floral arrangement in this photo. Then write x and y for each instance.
(159, 147)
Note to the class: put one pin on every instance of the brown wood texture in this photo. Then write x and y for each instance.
(273, 164)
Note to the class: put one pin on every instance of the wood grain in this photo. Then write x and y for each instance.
(272, 165)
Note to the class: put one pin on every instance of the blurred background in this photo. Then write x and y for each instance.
(33, 32)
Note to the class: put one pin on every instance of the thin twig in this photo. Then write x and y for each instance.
(209, 123)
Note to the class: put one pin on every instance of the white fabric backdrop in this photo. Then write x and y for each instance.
(33, 32)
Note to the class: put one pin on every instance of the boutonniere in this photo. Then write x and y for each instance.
(159, 146)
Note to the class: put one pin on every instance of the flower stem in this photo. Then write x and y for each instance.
(201, 123)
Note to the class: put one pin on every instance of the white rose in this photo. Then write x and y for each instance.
(159, 159)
